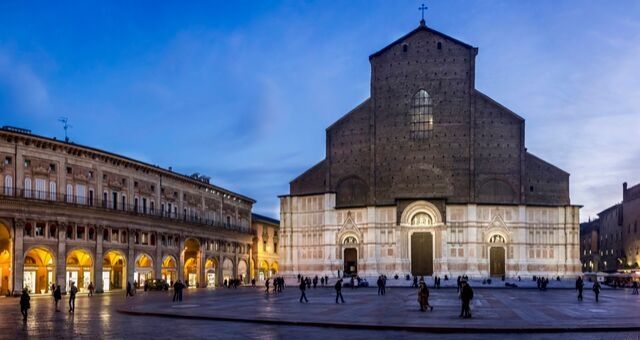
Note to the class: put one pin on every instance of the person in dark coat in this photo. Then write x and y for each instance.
(303, 295)
(91, 288)
(177, 291)
(129, 290)
(72, 297)
(579, 287)
(596, 289)
(24, 303)
(380, 283)
(338, 288)
(466, 294)
(423, 297)
(266, 286)
(57, 296)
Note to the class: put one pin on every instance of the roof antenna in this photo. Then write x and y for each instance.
(65, 126)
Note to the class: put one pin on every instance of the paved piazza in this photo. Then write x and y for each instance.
(98, 317)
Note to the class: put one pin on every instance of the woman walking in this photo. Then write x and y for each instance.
(57, 296)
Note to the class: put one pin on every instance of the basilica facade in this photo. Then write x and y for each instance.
(429, 176)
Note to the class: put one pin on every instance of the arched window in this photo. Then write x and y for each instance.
(350, 240)
(27, 187)
(8, 185)
(52, 190)
(421, 116)
(497, 239)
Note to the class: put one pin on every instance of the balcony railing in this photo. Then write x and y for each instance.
(108, 205)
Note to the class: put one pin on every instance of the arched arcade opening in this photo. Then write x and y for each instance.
(39, 270)
(79, 269)
(114, 268)
(5, 260)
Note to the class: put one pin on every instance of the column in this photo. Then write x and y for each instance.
(131, 256)
(235, 260)
(181, 259)
(97, 261)
(61, 257)
(157, 264)
(18, 256)
(202, 259)
(219, 270)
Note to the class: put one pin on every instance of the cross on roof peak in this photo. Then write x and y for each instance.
(422, 8)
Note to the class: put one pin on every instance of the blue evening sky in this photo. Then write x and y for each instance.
(243, 91)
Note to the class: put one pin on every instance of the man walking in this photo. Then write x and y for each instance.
(579, 287)
(266, 286)
(91, 288)
(380, 287)
(72, 297)
(303, 287)
(338, 288)
(24, 303)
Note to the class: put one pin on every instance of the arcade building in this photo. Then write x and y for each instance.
(74, 213)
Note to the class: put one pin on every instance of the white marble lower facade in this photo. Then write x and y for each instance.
(524, 240)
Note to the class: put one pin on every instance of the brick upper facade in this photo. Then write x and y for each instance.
(474, 153)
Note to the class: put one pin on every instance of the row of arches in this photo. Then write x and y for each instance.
(37, 267)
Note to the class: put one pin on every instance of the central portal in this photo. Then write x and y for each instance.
(496, 266)
(422, 254)
(350, 262)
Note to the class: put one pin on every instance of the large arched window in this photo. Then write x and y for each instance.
(421, 115)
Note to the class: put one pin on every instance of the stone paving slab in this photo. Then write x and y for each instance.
(493, 310)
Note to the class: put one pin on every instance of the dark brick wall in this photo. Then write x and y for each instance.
(311, 181)
(498, 152)
(545, 184)
(437, 166)
(475, 152)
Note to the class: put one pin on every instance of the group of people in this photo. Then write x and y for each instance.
(232, 283)
(278, 285)
(542, 283)
(580, 288)
(25, 298)
(382, 284)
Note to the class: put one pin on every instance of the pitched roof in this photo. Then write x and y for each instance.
(261, 218)
(420, 28)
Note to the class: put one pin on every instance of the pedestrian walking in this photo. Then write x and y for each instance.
(24, 303)
(253, 283)
(379, 283)
(91, 288)
(423, 297)
(303, 295)
(352, 283)
(635, 288)
(57, 296)
(579, 287)
(129, 290)
(466, 295)
(596, 289)
(338, 288)
(266, 286)
(72, 297)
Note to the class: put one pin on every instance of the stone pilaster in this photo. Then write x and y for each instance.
(202, 259)
(131, 256)
(97, 265)
(181, 259)
(157, 264)
(18, 256)
(61, 257)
